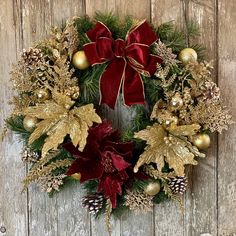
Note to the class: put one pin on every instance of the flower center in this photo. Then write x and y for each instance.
(107, 162)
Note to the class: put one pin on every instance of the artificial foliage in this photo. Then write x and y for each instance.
(57, 111)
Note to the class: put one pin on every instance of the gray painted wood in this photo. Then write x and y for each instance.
(201, 216)
(62, 214)
(169, 220)
(210, 203)
(13, 204)
(227, 149)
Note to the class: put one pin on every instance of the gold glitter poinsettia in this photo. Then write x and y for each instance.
(58, 120)
(171, 146)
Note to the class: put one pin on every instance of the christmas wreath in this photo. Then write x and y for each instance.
(61, 84)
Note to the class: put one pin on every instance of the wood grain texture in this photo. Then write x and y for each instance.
(210, 203)
(62, 214)
(227, 141)
(169, 220)
(122, 116)
(168, 10)
(13, 204)
(201, 205)
(135, 8)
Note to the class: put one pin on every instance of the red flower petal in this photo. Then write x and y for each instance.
(110, 188)
(118, 162)
(88, 170)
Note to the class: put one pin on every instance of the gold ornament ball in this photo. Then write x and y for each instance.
(43, 94)
(187, 55)
(30, 123)
(202, 141)
(152, 188)
(80, 61)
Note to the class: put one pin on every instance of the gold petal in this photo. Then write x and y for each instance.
(55, 137)
(87, 113)
(84, 135)
(42, 128)
(47, 110)
(185, 130)
(74, 130)
(152, 134)
(161, 146)
(150, 155)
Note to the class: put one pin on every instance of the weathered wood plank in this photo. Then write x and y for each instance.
(227, 148)
(62, 214)
(121, 116)
(13, 204)
(139, 8)
(201, 199)
(168, 219)
(168, 10)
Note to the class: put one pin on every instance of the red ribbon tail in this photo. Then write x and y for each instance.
(111, 80)
(133, 88)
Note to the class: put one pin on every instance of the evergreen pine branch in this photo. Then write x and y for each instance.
(90, 186)
(200, 49)
(171, 36)
(83, 24)
(193, 29)
(126, 26)
(152, 90)
(111, 20)
(160, 197)
(89, 83)
(15, 123)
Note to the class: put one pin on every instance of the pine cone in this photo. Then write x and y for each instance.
(31, 56)
(27, 155)
(178, 184)
(93, 202)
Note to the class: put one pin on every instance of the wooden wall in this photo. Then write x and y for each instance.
(210, 203)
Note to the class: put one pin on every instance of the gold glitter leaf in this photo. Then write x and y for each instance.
(163, 146)
(55, 136)
(185, 130)
(59, 120)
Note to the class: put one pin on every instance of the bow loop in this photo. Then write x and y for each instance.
(127, 60)
(100, 30)
(142, 33)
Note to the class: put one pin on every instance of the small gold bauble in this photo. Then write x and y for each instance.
(76, 176)
(80, 61)
(30, 123)
(201, 141)
(153, 188)
(187, 55)
(176, 102)
(43, 94)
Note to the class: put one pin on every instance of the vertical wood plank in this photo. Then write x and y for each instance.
(169, 219)
(13, 204)
(227, 148)
(121, 116)
(201, 199)
(135, 8)
(62, 214)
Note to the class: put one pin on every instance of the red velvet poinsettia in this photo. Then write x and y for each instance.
(104, 158)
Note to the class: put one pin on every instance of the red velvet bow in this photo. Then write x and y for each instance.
(128, 59)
